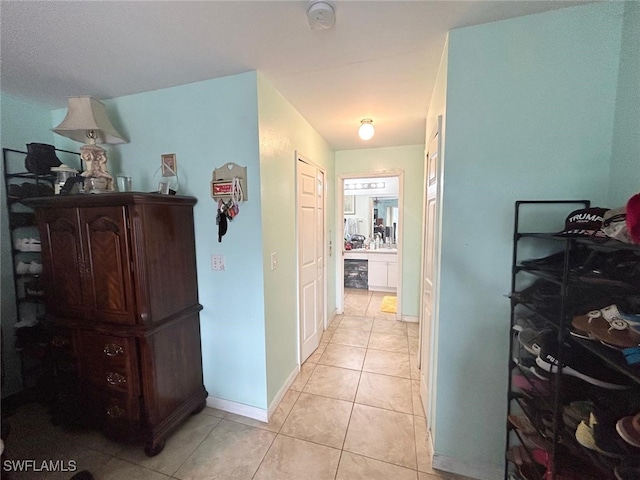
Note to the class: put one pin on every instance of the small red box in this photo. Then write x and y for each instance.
(222, 188)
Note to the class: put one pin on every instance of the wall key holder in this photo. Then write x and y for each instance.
(229, 182)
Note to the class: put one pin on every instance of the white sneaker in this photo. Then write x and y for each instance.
(35, 267)
(28, 313)
(27, 322)
(22, 268)
(31, 245)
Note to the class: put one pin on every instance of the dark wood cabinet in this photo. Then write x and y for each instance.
(120, 276)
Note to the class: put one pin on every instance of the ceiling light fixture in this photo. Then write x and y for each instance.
(366, 130)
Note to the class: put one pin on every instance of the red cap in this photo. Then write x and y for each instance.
(633, 217)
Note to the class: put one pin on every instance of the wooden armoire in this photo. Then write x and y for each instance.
(121, 292)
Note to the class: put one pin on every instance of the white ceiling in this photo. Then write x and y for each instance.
(379, 61)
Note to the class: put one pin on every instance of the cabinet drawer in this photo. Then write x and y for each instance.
(121, 415)
(383, 257)
(110, 362)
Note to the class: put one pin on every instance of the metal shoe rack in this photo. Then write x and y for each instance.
(563, 448)
(19, 184)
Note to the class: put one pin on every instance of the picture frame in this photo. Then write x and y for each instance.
(163, 187)
(169, 165)
(349, 204)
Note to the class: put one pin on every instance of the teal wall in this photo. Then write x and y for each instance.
(409, 159)
(283, 131)
(530, 114)
(21, 123)
(208, 124)
(249, 321)
(625, 155)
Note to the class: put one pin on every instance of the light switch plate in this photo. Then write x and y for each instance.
(274, 260)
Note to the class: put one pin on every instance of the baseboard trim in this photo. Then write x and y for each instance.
(410, 319)
(240, 408)
(332, 316)
(288, 382)
(472, 470)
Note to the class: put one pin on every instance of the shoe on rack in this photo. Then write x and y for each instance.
(27, 245)
(597, 436)
(576, 412)
(522, 423)
(608, 440)
(620, 268)
(628, 469)
(31, 245)
(540, 292)
(34, 288)
(554, 263)
(609, 326)
(17, 244)
(518, 455)
(629, 429)
(529, 365)
(28, 315)
(531, 339)
(532, 385)
(22, 268)
(35, 268)
(578, 363)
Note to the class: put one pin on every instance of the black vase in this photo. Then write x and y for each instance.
(40, 158)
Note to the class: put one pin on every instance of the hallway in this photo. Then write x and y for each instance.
(353, 412)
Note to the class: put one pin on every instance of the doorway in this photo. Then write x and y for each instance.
(430, 274)
(310, 181)
(370, 214)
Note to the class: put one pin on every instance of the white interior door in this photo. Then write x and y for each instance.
(310, 193)
(429, 272)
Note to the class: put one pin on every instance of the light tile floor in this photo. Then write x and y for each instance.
(353, 412)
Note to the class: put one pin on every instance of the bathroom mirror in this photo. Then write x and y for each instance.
(384, 218)
(370, 207)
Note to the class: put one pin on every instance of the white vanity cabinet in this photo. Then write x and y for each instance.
(383, 271)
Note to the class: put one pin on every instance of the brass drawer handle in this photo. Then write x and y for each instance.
(114, 411)
(111, 350)
(115, 378)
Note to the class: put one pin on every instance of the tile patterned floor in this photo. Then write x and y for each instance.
(352, 413)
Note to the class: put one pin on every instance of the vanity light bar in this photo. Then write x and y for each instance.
(363, 186)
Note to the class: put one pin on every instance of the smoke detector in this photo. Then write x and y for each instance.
(321, 14)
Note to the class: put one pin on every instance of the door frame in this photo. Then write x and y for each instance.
(340, 233)
(433, 333)
(299, 157)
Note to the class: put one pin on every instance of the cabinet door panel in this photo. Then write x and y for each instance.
(377, 274)
(392, 275)
(108, 264)
(62, 256)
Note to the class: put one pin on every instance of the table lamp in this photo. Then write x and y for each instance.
(87, 121)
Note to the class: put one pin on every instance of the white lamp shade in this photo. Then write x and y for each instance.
(86, 114)
(366, 130)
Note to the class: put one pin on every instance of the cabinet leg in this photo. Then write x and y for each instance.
(199, 408)
(151, 449)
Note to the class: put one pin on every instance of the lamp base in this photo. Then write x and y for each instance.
(95, 159)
